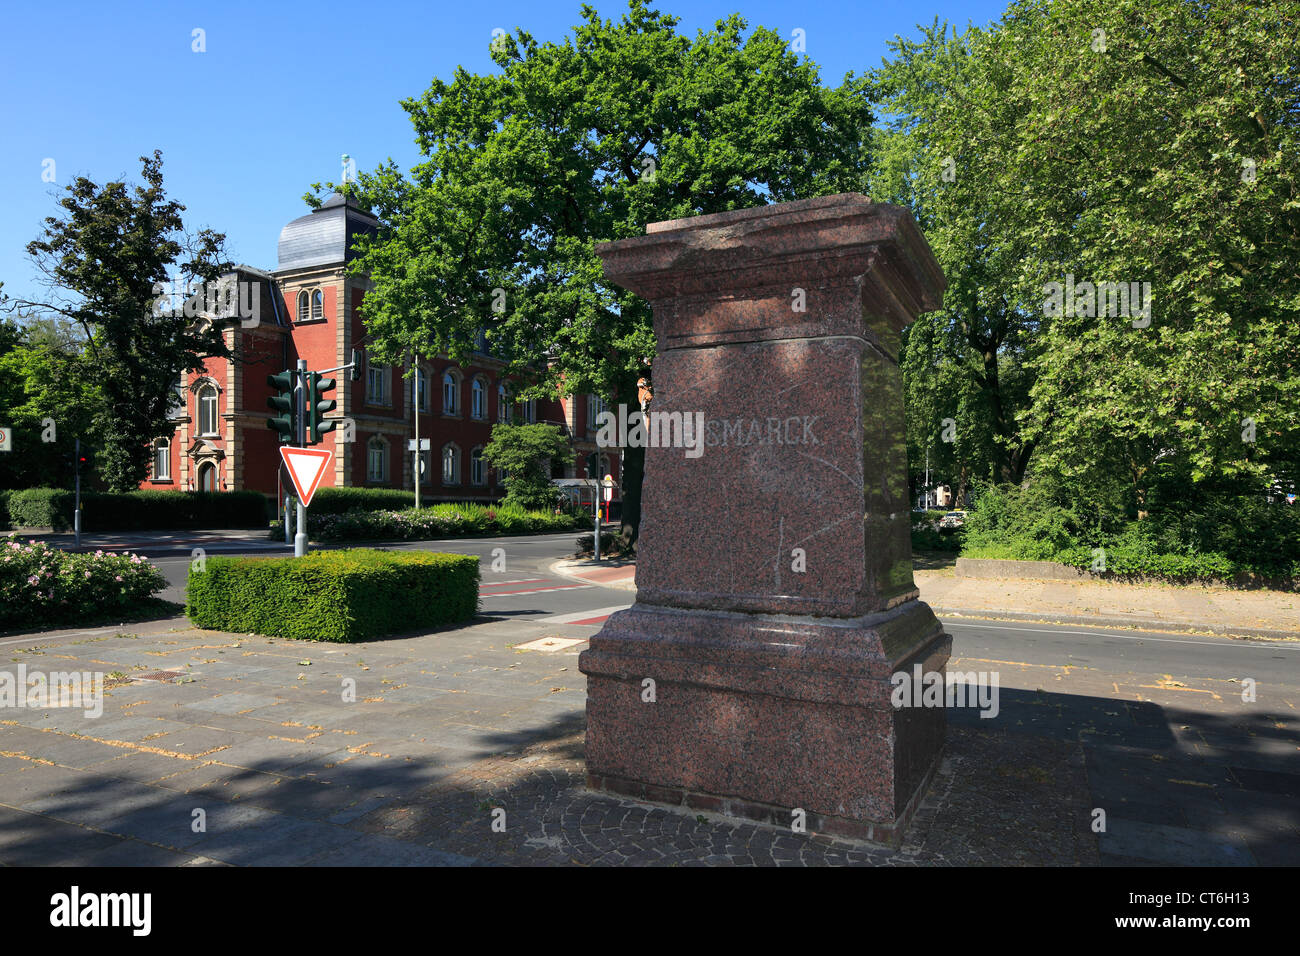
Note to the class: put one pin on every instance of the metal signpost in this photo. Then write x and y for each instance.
(417, 446)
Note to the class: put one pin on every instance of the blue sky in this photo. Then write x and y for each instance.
(285, 88)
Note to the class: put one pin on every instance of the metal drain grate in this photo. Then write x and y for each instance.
(167, 676)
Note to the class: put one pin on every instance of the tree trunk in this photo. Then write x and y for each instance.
(633, 474)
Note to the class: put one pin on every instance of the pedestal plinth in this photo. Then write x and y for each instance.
(775, 598)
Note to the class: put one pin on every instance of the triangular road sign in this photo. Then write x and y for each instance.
(306, 468)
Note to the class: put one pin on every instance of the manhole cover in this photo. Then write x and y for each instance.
(551, 644)
(161, 675)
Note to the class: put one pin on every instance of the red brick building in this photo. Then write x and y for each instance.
(309, 308)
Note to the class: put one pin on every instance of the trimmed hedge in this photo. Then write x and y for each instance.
(350, 595)
(439, 521)
(337, 501)
(146, 510)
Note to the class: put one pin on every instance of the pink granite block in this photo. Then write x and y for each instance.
(775, 596)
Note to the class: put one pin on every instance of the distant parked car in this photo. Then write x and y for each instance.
(953, 519)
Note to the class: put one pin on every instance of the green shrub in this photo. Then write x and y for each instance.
(438, 521)
(41, 508)
(349, 595)
(1197, 541)
(145, 510)
(41, 585)
(611, 545)
(932, 539)
(334, 501)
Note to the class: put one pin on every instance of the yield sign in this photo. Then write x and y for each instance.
(306, 469)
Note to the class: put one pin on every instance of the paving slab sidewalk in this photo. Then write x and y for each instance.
(1249, 613)
(400, 752)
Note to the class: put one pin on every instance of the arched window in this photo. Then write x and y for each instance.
(377, 459)
(503, 404)
(317, 305)
(162, 459)
(477, 470)
(450, 465)
(208, 410)
(303, 306)
(478, 400)
(450, 393)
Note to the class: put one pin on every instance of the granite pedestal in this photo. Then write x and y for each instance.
(775, 598)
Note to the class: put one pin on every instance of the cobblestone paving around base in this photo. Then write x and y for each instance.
(444, 734)
(994, 801)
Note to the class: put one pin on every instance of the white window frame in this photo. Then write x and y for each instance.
(201, 400)
(162, 453)
(377, 446)
(451, 451)
(477, 468)
(381, 375)
(503, 404)
(478, 394)
(451, 389)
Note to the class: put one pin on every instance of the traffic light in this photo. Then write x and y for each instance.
(285, 424)
(317, 406)
(593, 465)
(81, 461)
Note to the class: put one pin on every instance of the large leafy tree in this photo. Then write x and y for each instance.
(525, 170)
(45, 378)
(1122, 141)
(948, 123)
(102, 260)
(1164, 150)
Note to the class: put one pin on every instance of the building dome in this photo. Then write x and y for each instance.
(325, 235)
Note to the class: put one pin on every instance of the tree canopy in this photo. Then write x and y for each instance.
(1107, 141)
(102, 261)
(572, 143)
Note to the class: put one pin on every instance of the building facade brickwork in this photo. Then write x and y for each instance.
(310, 308)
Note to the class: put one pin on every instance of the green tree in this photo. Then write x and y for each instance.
(524, 455)
(45, 379)
(105, 261)
(1112, 141)
(946, 127)
(622, 124)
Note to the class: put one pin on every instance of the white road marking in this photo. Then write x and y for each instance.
(580, 615)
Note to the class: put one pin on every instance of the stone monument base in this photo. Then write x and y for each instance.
(755, 715)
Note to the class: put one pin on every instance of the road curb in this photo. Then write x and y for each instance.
(563, 568)
(1188, 627)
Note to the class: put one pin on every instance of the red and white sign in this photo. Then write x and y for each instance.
(6, 443)
(306, 468)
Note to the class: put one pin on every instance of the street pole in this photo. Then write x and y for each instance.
(415, 404)
(596, 507)
(300, 539)
(288, 519)
(927, 476)
(76, 514)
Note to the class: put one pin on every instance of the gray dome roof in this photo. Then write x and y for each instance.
(324, 236)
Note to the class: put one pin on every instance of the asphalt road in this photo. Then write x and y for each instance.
(526, 589)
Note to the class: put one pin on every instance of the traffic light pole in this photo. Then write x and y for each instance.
(300, 539)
